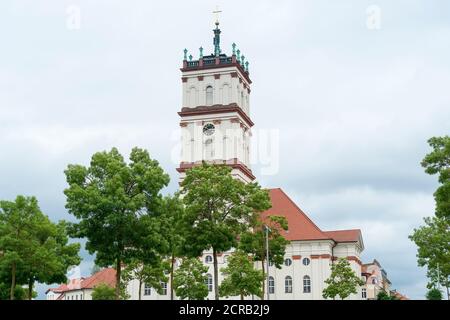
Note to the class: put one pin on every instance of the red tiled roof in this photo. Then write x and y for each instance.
(344, 235)
(301, 227)
(106, 276)
(61, 288)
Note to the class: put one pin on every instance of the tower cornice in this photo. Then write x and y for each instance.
(215, 109)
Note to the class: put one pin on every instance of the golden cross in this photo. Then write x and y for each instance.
(217, 12)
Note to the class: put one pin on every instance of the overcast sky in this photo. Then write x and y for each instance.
(353, 101)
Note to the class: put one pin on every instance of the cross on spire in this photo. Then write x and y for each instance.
(217, 13)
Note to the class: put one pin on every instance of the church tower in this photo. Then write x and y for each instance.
(215, 115)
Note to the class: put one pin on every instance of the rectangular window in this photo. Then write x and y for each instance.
(164, 288)
(364, 293)
(147, 290)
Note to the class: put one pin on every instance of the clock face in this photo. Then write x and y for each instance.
(209, 129)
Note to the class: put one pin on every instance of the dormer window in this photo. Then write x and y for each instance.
(209, 96)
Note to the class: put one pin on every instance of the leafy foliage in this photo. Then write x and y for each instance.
(152, 275)
(190, 280)
(173, 228)
(115, 203)
(219, 208)
(438, 162)
(434, 294)
(241, 277)
(254, 242)
(103, 292)
(433, 239)
(33, 248)
(383, 295)
(342, 282)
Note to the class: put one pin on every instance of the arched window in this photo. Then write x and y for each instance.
(208, 259)
(164, 288)
(209, 282)
(209, 96)
(288, 284)
(374, 280)
(287, 262)
(147, 290)
(306, 261)
(306, 284)
(271, 285)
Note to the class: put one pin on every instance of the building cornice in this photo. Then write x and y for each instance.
(215, 109)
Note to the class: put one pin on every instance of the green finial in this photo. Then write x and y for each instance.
(246, 66)
(190, 57)
(185, 54)
(243, 60)
(238, 55)
(234, 48)
(201, 52)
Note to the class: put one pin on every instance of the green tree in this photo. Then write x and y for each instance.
(35, 249)
(254, 242)
(104, 292)
(438, 162)
(172, 217)
(115, 203)
(218, 209)
(433, 249)
(190, 279)
(432, 239)
(152, 275)
(16, 231)
(383, 295)
(434, 294)
(240, 277)
(49, 254)
(342, 282)
(19, 292)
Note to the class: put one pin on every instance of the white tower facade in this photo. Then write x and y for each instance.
(215, 115)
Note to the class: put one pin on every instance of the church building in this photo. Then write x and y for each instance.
(216, 127)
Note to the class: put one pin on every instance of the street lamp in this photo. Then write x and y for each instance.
(267, 259)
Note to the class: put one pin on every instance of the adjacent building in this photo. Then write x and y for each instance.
(81, 288)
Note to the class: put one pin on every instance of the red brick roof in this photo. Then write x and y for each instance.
(301, 227)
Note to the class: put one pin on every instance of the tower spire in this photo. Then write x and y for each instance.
(217, 33)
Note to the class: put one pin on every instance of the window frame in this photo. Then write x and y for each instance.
(147, 290)
(288, 284)
(307, 288)
(271, 285)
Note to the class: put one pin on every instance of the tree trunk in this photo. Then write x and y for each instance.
(140, 289)
(216, 276)
(264, 281)
(13, 281)
(242, 296)
(118, 274)
(30, 288)
(171, 275)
